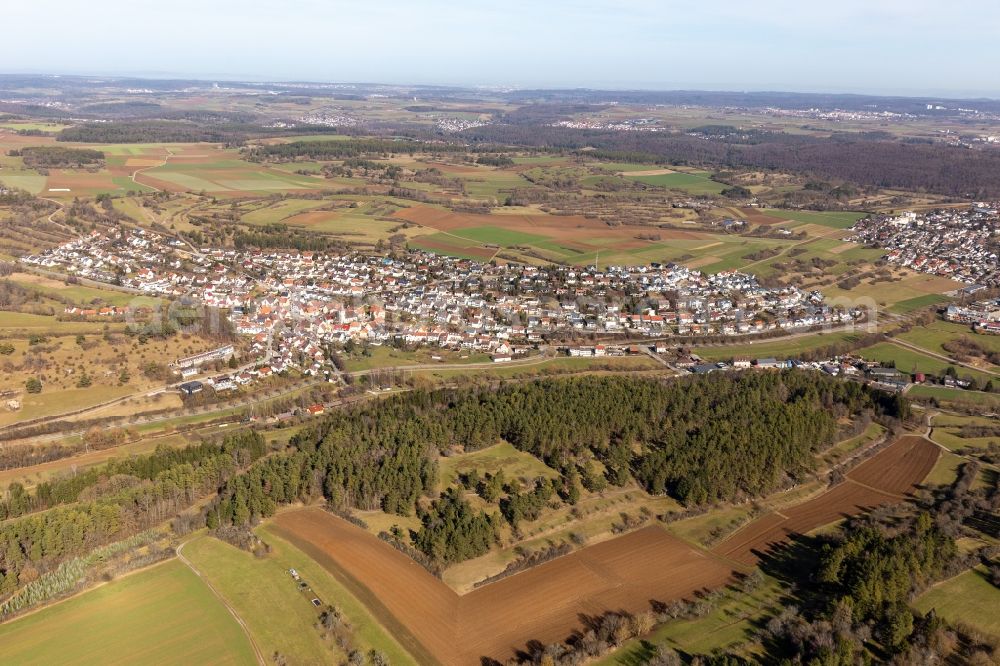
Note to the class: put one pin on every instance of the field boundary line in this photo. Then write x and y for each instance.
(78, 593)
(225, 602)
(848, 479)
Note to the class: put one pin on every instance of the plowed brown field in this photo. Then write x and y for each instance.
(557, 227)
(882, 479)
(546, 603)
(551, 601)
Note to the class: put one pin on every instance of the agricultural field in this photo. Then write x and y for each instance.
(832, 219)
(692, 182)
(884, 478)
(164, 613)
(281, 617)
(539, 604)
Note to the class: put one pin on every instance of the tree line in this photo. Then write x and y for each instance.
(699, 439)
(117, 505)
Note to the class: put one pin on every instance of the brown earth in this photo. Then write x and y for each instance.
(556, 227)
(546, 603)
(549, 602)
(754, 216)
(882, 479)
(78, 180)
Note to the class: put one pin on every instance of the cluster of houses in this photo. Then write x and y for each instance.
(150, 263)
(848, 367)
(958, 243)
(984, 315)
(296, 307)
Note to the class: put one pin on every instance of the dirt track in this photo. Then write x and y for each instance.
(882, 479)
(546, 603)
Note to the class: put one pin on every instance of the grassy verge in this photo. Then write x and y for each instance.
(368, 632)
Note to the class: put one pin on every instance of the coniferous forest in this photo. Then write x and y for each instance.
(698, 439)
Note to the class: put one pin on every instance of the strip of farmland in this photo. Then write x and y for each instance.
(543, 604)
(549, 602)
(883, 479)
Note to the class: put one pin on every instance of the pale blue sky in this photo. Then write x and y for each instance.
(877, 46)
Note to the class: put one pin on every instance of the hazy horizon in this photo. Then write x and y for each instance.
(878, 47)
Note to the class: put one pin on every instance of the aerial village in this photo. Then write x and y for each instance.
(297, 308)
(294, 305)
(960, 243)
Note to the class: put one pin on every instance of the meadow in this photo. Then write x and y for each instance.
(908, 361)
(163, 614)
(780, 349)
(969, 598)
(515, 464)
(280, 617)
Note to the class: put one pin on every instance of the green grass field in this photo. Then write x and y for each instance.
(278, 211)
(280, 617)
(14, 322)
(730, 627)
(918, 302)
(553, 366)
(382, 357)
(945, 471)
(951, 395)
(777, 348)
(697, 182)
(51, 402)
(933, 336)
(368, 632)
(968, 598)
(832, 219)
(909, 361)
(40, 126)
(515, 464)
(84, 295)
(162, 615)
(497, 236)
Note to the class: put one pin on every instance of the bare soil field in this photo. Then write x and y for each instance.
(883, 479)
(557, 227)
(546, 603)
(754, 216)
(60, 179)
